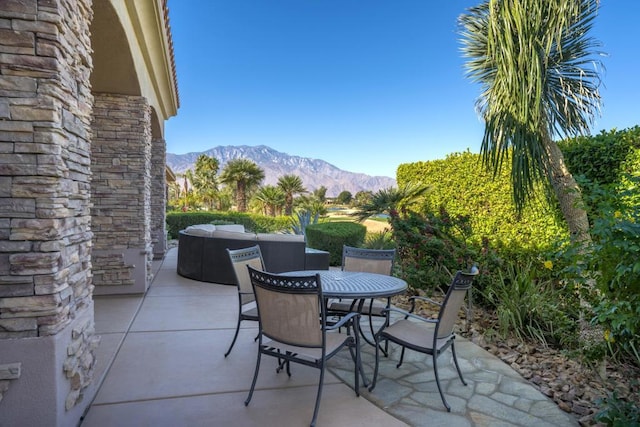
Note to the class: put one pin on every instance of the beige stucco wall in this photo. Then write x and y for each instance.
(144, 27)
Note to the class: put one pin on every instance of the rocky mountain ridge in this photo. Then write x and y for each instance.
(313, 172)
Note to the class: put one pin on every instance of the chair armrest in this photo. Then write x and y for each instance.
(408, 314)
(343, 320)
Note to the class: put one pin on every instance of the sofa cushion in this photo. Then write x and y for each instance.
(273, 237)
(239, 228)
(233, 235)
(200, 230)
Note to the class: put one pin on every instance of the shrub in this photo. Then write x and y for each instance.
(613, 264)
(606, 275)
(379, 240)
(531, 307)
(331, 236)
(429, 252)
(616, 412)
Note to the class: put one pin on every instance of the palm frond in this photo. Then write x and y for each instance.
(388, 199)
(539, 77)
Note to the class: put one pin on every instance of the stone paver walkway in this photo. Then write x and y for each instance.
(495, 394)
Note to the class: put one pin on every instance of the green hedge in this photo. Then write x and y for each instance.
(604, 158)
(604, 163)
(331, 236)
(177, 221)
(463, 188)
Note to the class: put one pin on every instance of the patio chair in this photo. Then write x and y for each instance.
(293, 327)
(378, 261)
(240, 259)
(429, 336)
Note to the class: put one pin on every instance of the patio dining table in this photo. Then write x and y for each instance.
(354, 284)
(357, 286)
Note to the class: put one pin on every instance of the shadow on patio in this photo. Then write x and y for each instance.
(161, 363)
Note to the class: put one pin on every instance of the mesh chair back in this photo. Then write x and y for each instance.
(289, 308)
(378, 261)
(452, 302)
(240, 259)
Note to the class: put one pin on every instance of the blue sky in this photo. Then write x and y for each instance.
(363, 84)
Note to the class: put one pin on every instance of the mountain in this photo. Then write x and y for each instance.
(313, 172)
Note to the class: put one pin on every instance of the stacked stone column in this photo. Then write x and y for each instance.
(121, 193)
(46, 307)
(158, 197)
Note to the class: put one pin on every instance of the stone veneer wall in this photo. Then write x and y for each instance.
(158, 197)
(8, 373)
(45, 237)
(121, 193)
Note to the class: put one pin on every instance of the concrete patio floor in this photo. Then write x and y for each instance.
(161, 363)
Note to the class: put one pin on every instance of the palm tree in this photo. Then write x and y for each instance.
(173, 195)
(205, 179)
(244, 175)
(271, 198)
(389, 199)
(312, 204)
(535, 63)
(188, 199)
(290, 185)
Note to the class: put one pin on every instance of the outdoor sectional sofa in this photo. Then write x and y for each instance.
(202, 252)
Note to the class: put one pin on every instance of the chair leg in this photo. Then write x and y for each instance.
(455, 360)
(358, 361)
(358, 368)
(255, 378)
(319, 395)
(234, 338)
(386, 324)
(385, 351)
(373, 333)
(435, 370)
(401, 357)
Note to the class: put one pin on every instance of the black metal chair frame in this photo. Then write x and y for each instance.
(239, 259)
(370, 310)
(286, 350)
(442, 339)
